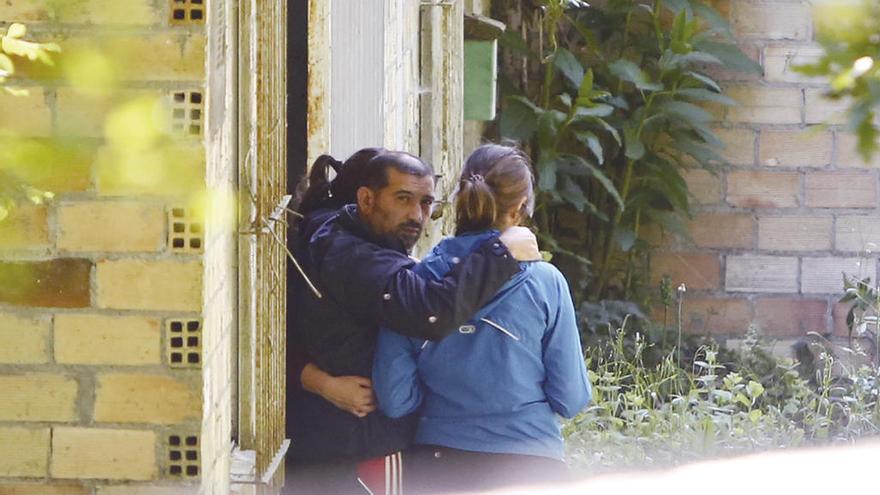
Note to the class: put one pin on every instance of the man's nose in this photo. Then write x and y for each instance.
(418, 214)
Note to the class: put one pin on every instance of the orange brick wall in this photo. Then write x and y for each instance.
(796, 207)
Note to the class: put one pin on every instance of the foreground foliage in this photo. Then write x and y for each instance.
(667, 414)
(849, 32)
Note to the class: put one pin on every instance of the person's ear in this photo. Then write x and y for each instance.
(366, 198)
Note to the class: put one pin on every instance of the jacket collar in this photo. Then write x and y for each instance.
(350, 220)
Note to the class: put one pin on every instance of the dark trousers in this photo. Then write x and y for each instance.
(321, 478)
(432, 469)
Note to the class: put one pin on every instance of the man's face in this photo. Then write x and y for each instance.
(399, 210)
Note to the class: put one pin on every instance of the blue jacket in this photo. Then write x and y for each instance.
(366, 283)
(495, 383)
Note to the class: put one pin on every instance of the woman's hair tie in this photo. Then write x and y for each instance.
(476, 178)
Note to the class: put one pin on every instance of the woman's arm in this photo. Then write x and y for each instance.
(395, 375)
(567, 385)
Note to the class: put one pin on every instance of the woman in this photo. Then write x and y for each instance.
(488, 394)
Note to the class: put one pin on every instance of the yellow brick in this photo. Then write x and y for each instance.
(43, 489)
(50, 164)
(92, 453)
(739, 145)
(175, 169)
(800, 148)
(771, 20)
(84, 114)
(37, 397)
(705, 187)
(24, 452)
(25, 115)
(765, 105)
(132, 12)
(26, 227)
(145, 490)
(848, 153)
(139, 398)
(157, 285)
(151, 57)
(25, 340)
(96, 339)
(111, 226)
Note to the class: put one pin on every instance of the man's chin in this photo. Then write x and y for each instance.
(409, 240)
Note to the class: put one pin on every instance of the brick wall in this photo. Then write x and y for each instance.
(774, 231)
(101, 291)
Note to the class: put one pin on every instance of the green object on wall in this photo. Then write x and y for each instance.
(480, 77)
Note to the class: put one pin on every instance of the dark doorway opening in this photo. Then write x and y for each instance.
(297, 92)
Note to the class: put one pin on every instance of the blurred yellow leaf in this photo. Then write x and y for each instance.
(6, 64)
(21, 48)
(16, 30)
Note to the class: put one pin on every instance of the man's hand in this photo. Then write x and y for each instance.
(521, 243)
(353, 394)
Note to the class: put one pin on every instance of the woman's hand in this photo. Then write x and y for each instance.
(353, 394)
(522, 244)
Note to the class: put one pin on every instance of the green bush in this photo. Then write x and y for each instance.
(610, 101)
(666, 414)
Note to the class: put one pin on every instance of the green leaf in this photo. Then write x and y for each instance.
(669, 221)
(569, 65)
(591, 141)
(754, 389)
(635, 149)
(705, 156)
(565, 99)
(548, 128)
(625, 238)
(731, 56)
(600, 177)
(586, 87)
(519, 120)
(511, 40)
(701, 94)
(4, 212)
(717, 22)
(683, 111)
(628, 71)
(572, 193)
(608, 127)
(678, 29)
(546, 174)
(597, 110)
(708, 81)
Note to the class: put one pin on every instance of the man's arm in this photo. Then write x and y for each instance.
(378, 286)
(349, 393)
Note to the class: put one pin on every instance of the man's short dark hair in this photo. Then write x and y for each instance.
(376, 172)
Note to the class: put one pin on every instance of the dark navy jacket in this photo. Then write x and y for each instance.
(366, 282)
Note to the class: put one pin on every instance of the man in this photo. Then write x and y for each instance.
(359, 261)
